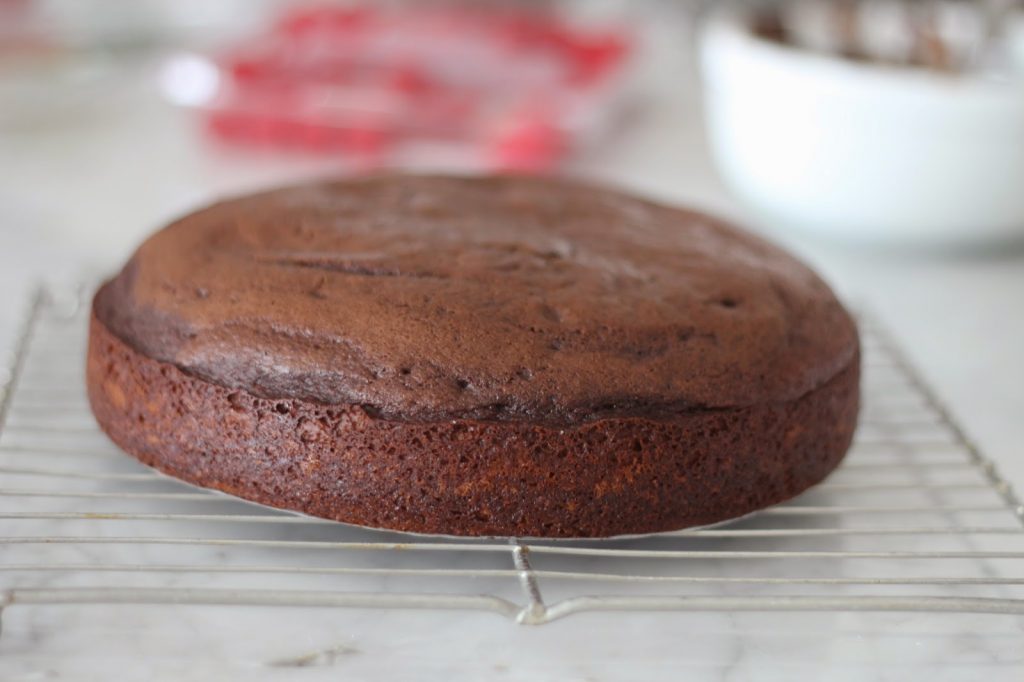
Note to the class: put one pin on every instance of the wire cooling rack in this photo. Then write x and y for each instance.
(916, 519)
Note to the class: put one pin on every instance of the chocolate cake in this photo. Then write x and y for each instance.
(486, 356)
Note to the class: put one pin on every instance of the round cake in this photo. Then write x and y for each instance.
(475, 356)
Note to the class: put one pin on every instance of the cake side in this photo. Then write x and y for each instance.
(473, 477)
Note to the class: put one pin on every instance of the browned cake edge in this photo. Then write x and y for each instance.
(466, 477)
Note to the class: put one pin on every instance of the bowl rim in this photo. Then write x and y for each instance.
(732, 26)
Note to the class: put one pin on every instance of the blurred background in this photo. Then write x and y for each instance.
(881, 140)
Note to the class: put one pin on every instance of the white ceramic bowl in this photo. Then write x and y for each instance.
(873, 152)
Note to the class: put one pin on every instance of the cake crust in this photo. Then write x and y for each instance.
(608, 477)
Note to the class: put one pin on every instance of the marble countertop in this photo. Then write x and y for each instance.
(78, 190)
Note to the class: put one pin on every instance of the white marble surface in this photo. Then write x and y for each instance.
(78, 190)
(193, 644)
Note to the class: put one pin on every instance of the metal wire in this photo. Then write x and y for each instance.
(916, 513)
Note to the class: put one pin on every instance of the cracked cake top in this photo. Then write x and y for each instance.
(510, 298)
